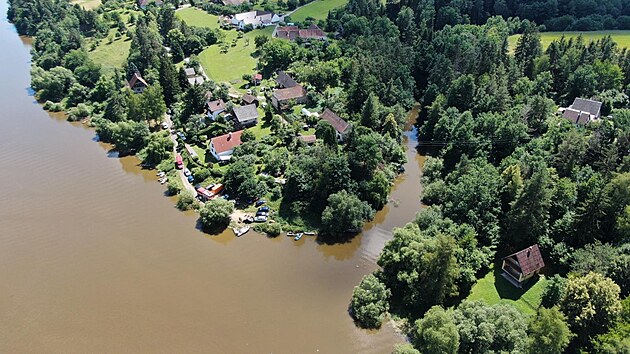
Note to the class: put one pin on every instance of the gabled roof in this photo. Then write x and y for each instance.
(340, 125)
(190, 72)
(309, 139)
(589, 106)
(233, 2)
(226, 142)
(529, 259)
(249, 99)
(255, 17)
(144, 3)
(135, 79)
(246, 113)
(196, 80)
(215, 106)
(285, 81)
(294, 92)
(293, 32)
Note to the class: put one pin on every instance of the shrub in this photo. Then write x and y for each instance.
(272, 230)
(215, 215)
(186, 201)
(369, 302)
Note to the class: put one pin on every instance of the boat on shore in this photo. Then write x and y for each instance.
(298, 236)
(240, 231)
(309, 233)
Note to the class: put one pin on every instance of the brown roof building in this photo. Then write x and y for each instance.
(522, 265)
(293, 32)
(282, 96)
(341, 126)
(136, 83)
(249, 99)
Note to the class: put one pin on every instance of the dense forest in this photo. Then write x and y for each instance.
(504, 170)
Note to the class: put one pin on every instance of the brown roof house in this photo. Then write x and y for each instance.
(246, 116)
(249, 99)
(222, 147)
(582, 111)
(522, 265)
(342, 128)
(137, 83)
(281, 98)
(294, 32)
(215, 108)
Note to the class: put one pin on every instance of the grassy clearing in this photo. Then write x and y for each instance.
(622, 38)
(111, 55)
(87, 4)
(239, 60)
(317, 9)
(494, 289)
(196, 17)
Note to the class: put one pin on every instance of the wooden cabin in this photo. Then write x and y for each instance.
(522, 265)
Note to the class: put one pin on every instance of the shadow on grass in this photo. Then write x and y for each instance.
(212, 231)
(508, 291)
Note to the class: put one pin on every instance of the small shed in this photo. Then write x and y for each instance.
(522, 265)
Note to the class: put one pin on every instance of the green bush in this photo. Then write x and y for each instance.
(271, 229)
(186, 201)
(369, 302)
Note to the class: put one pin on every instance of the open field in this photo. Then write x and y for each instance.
(111, 55)
(317, 9)
(87, 4)
(230, 66)
(198, 18)
(494, 289)
(621, 37)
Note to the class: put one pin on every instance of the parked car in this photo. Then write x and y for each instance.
(260, 202)
(260, 219)
(262, 213)
(191, 179)
(164, 125)
(264, 209)
(187, 172)
(181, 136)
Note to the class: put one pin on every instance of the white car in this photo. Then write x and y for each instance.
(164, 125)
(260, 219)
(186, 172)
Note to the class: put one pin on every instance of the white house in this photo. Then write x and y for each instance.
(222, 147)
(342, 128)
(255, 18)
(215, 108)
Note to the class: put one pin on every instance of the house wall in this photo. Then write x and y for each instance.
(218, 156)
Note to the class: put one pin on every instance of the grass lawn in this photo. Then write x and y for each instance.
(196, 17)
(230, 67)
(111, 55)
(621, 37)
(317, 9)
(202, 154)
(261, 129)
(87, 4)
(494, 289)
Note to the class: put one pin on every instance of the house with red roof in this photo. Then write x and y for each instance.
(222, 146)
(292, 33)
(522, 265)
(136, 83)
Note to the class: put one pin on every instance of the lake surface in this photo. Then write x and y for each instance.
(94, 257)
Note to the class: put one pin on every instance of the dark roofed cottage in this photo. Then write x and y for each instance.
(520, 266)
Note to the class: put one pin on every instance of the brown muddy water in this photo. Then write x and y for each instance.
(94, 258)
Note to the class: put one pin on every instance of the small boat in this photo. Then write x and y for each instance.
(291, 234)
(309, 233)
(163, 180)
(298, 236)
(241, 231)
(161, 174)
